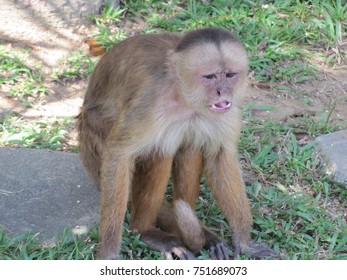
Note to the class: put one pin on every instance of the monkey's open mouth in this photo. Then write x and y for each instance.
(220, 107)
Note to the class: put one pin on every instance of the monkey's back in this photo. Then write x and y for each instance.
(128, 66)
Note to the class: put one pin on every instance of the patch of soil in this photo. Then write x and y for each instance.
(325, 92)
(48, 39)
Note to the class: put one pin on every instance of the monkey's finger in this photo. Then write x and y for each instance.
(260, 250)
(237, 252)
(219, 251)
(265, 252)
(213, 253)
(222, 249)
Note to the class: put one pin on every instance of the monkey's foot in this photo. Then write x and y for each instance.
(256, 250)
(181, 252)
(168, 244)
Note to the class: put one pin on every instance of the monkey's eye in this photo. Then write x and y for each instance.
(230, 74)
(210, 77)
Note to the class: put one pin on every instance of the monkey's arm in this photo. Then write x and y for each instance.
(116, 176)
(224, 176)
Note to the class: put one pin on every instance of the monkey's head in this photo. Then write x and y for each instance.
(211, 66)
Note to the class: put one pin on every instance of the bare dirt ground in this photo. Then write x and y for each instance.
(311, 97)
(49, 39)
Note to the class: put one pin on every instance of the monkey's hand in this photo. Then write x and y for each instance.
(219, 251)
(218, 247)
(255, 250)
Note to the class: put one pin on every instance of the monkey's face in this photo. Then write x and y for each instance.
(219, 87)
(212, 77)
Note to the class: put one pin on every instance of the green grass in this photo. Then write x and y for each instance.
(19, 80)
(289, 194)
(27, 247)
(44, 134)
(77, 66)
(297, 210)
(281, 37)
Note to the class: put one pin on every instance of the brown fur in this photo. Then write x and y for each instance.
(161, 103)
(223, 170)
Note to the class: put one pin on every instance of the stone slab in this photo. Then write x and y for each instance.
(45, 192)
(333, 149)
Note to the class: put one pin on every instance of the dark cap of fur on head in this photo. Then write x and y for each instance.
(205, 35)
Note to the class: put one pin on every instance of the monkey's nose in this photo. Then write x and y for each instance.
(222, 90)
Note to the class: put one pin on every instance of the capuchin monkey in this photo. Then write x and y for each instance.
(168, 104)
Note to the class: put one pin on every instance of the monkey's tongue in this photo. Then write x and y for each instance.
(221, 106)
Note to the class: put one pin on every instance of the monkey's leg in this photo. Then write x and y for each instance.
(186, 175)
(187, 168)
(224, 177)
(115, 185)
(150, 183)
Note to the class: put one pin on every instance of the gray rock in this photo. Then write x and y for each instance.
(45, 192)
(333, 149)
